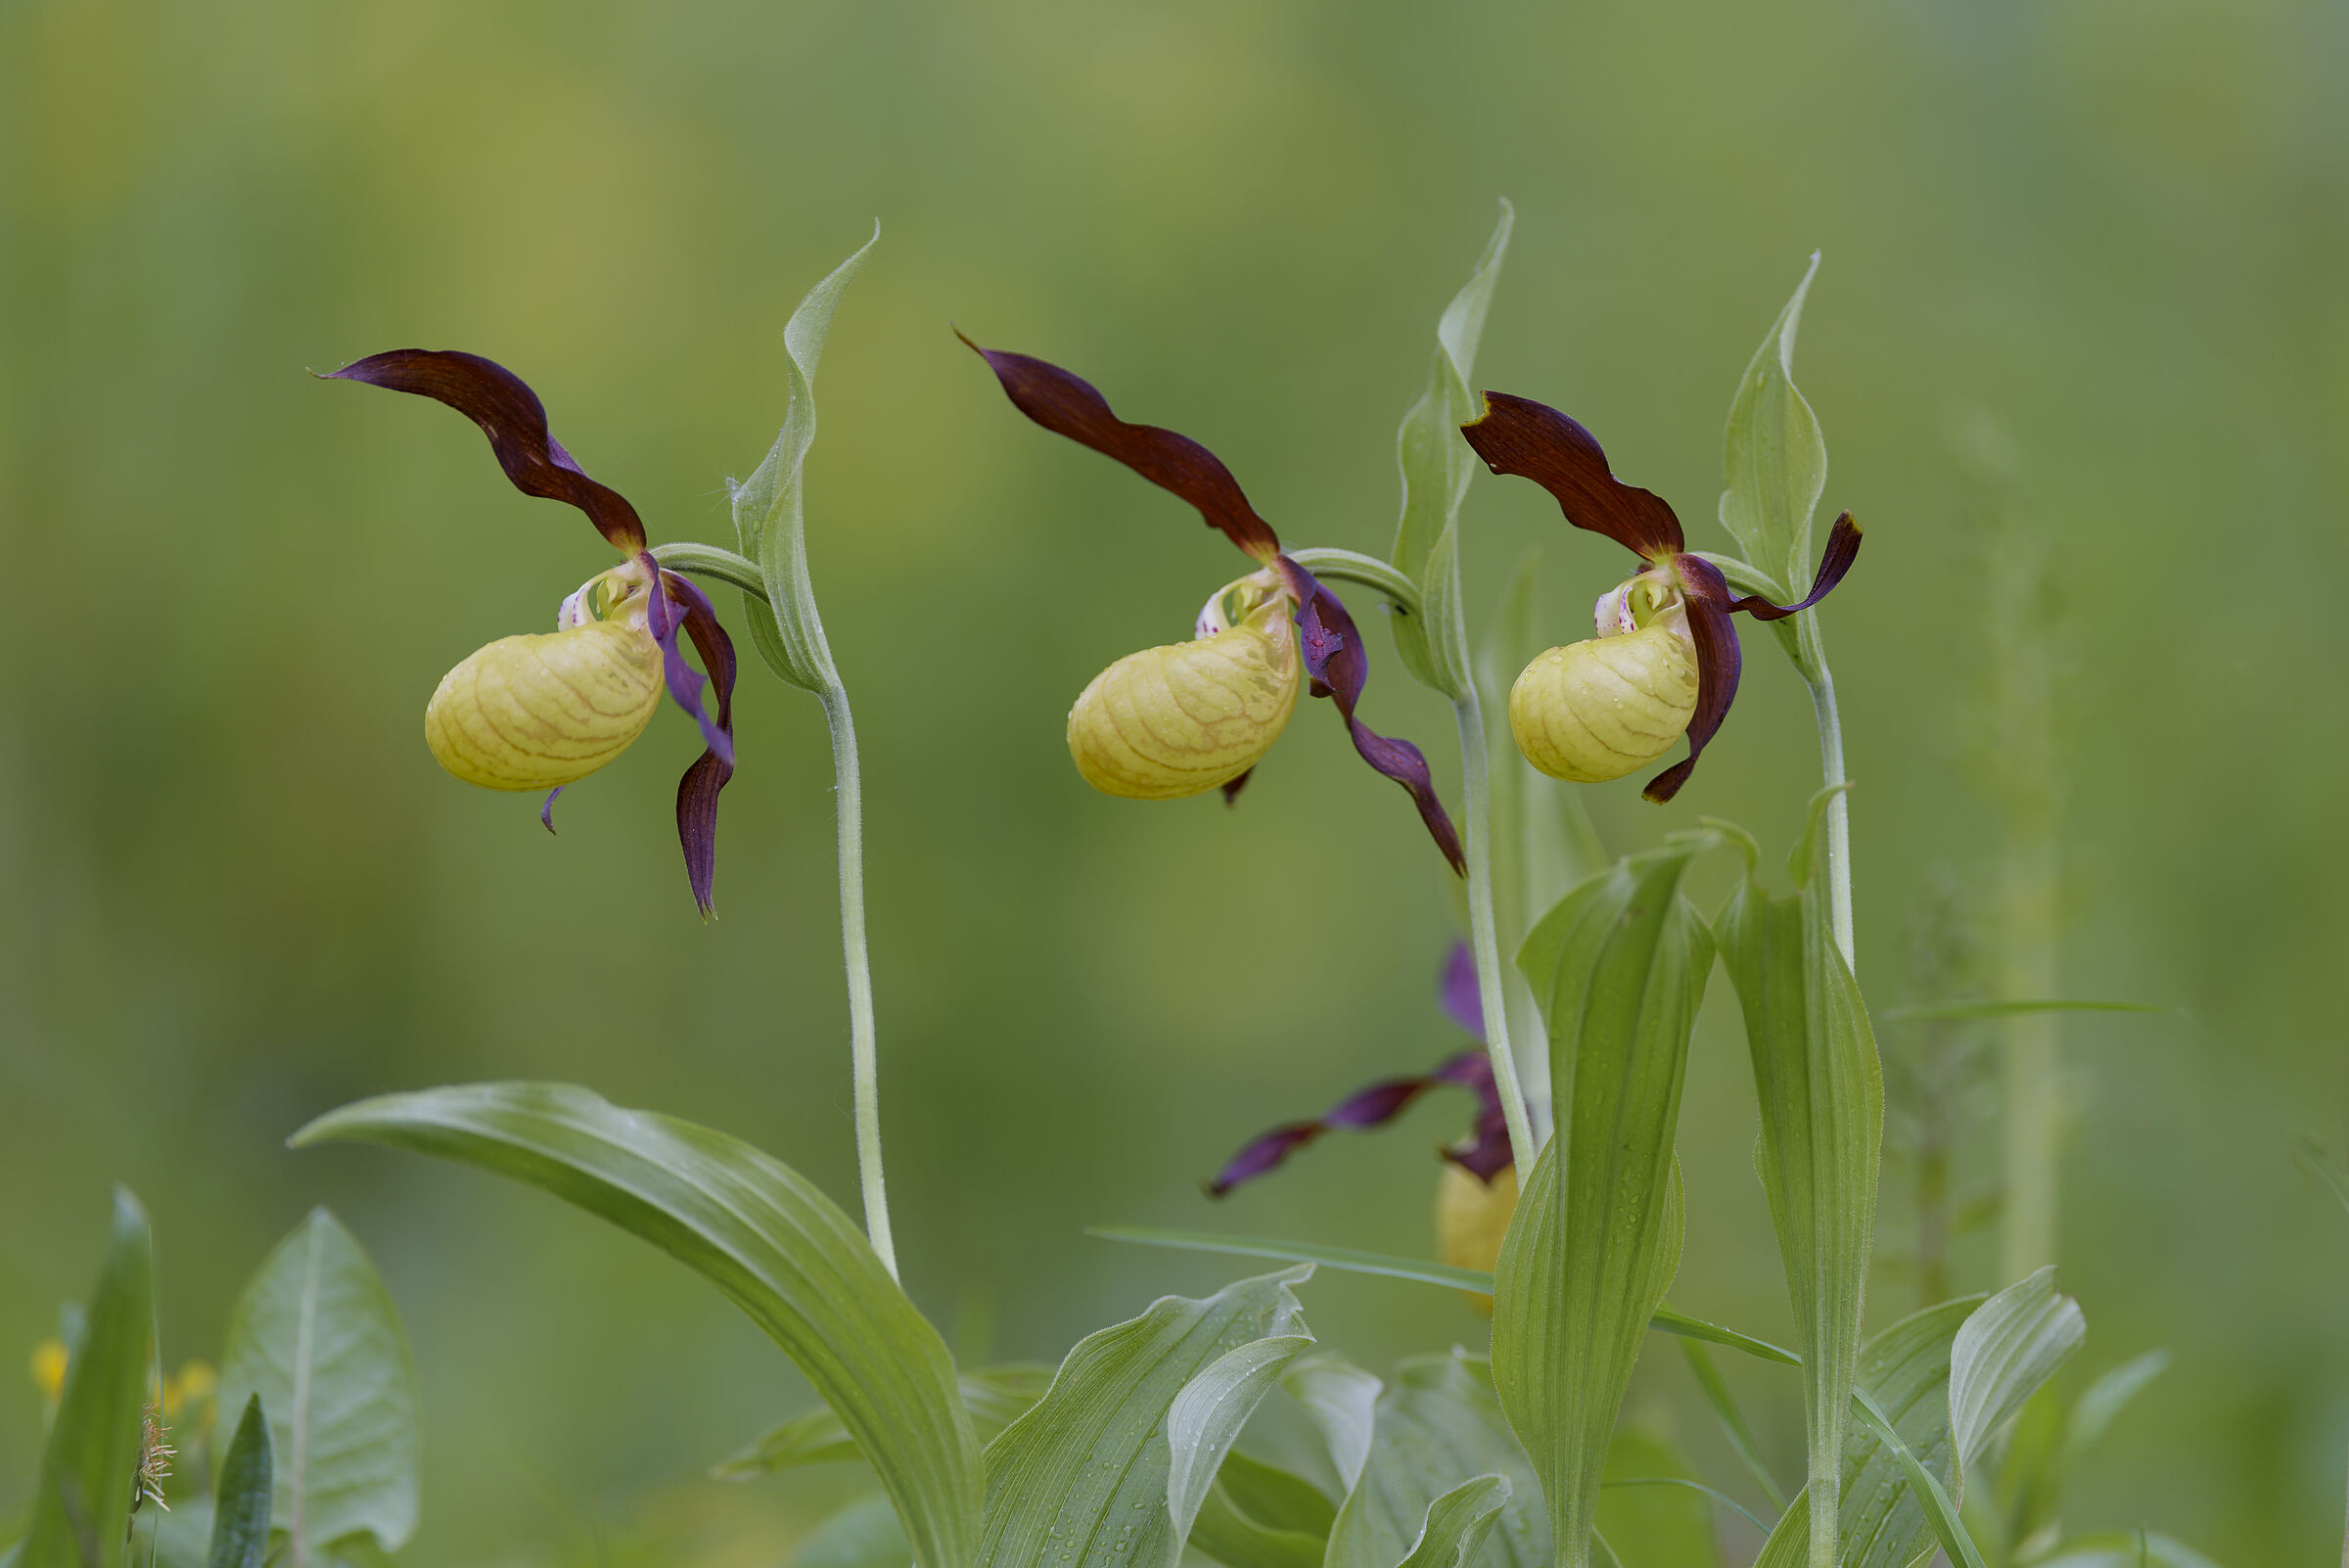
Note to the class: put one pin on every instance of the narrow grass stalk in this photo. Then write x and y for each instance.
(864, 1055)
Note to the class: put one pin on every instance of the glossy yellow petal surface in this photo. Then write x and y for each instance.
(1472, 1216)
(534, 711)
(1598, 709)
(1176, 720)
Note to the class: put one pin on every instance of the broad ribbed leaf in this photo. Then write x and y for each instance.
(1619, 967)
(1438, 1425)
(241, 1511)
(1775, 459)
(1905, 1370)
(1437, 465)
(316, 1337)
(769, 512)
(1458, 1523)
(1821, 1090)
(2005, 1354)
(1258, 1516)
(1083, 1480)
(764, 1234)
(1342, 1401)
(2096, 1409)
(82, 1504)
(996, 1396)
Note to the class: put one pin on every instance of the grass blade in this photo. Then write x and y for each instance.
(1733, 1425)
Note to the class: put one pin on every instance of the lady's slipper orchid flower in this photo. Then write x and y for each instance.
(1666, 659)
(1197, 716)
(543, 710)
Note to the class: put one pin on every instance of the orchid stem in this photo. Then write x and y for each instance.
(1822, 682)
(1484, 937)
(864, 1056)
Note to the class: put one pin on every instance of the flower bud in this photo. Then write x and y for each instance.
(1597, 710)
(1472, 1216)
(541, 710)
(1183, 719)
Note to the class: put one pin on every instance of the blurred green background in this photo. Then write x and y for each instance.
(235, 889)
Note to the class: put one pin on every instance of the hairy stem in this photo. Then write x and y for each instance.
(864, 1056)
(1484, 934)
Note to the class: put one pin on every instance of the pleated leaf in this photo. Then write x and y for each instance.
(1458, 1523)
(1619, 967)
(1259, 1515)
(764, 1234)
(1134, 1426)
(1775, 458)
(1437, 465)
(2005, 1352)
(769, 514)
(82, 1503)
(1341, 1399)
(1821, 1089)
(2124, 1548)
(1438, 1425)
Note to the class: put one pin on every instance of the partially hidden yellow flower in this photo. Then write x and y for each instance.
(1472, 1216)
(49, 1361)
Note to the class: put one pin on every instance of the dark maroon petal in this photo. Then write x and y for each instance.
(1372, 1107)
(1843, 548)
(1719, 663)
(1461, 997)
(1231, 791)
(546, 811)
(512, 417)
(1532, 440)
(1261, 1154)
(1336, 668)
(1070, 406)
(698, 790)
(1487, 1152)
(670, 612)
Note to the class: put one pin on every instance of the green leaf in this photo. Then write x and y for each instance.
(1647, 1518)
(2005, 1354)
(2124, 1548)
(1139, 1418)
(1259, 1515)
(82, 1505)
(996, 1396)
(2093, 1412)
(1620, 969)
(1775, 459)
(863, 1534)
(241, 1512)
(1905, 1370)
(770, 517)
(1458, 1523)
(1341, 1399)
(317, 1338)
(1821, 1090)
(1437, 465)
(1438, 1425)
(1941, 1511)
(758, 1230)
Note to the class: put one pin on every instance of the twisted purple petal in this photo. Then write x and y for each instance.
(698, 790)
(515, 421)
(1843, 548)
(1461, 997)
(546, 811)
(1486, 1154)
(1336, 668)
